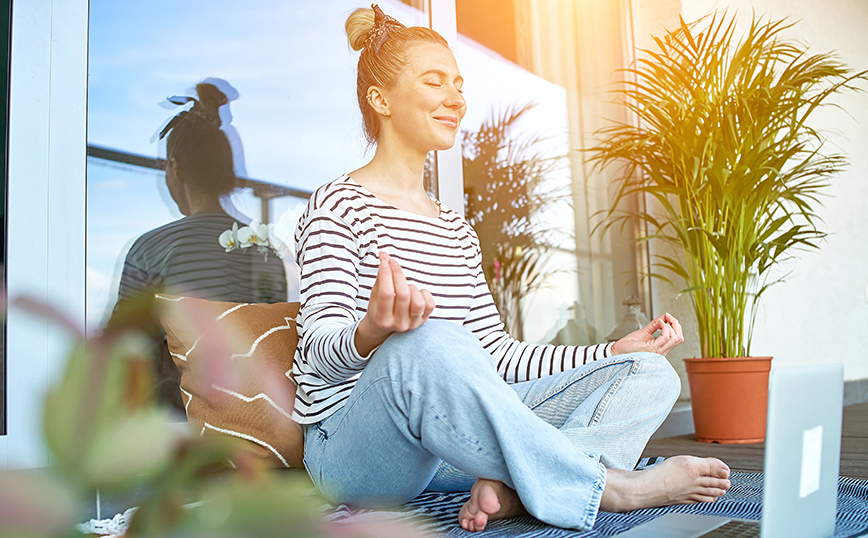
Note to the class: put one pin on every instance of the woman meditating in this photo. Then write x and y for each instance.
(407, 381)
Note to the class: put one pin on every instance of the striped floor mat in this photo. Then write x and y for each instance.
(436, 513)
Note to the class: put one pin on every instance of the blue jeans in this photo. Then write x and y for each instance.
(431, 396)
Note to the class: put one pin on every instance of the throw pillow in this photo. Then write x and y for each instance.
(235, 361)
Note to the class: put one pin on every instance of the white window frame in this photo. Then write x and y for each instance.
(450, 170)
(46, 215)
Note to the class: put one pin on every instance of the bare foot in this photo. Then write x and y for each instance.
(678, 480)
(489, 500)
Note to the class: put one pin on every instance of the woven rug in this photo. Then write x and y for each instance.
(437, 513)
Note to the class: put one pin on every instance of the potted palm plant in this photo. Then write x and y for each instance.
(729, 172)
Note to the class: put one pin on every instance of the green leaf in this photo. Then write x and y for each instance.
(721, 161)
(134, 448)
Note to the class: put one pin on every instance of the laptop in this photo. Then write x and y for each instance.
(802, 458)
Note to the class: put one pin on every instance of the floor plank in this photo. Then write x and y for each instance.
(854, 447)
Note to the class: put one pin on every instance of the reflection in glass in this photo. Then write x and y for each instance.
(206, 253)
(508, 190)
(515, 139)
(295, 112)
(514, 53)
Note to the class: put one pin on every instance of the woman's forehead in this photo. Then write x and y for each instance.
(425, 57)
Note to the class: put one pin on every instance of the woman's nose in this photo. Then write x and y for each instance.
(456, 99)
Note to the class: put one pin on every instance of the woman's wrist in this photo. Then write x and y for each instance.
(368, 337)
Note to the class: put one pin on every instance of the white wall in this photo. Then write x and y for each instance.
(820, 313)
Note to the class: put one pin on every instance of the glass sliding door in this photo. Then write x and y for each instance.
(155, 217)
(293, 121)
(536, 74)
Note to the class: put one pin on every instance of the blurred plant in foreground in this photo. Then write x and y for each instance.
(106, 434)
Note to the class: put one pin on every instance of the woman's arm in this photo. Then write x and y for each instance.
(328, 260)
(335, 342)
(518, 361)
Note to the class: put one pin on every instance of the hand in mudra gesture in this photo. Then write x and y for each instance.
(395, 306)
(644, 340)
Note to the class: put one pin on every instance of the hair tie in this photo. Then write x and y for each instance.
(199, 113)
(384, 25)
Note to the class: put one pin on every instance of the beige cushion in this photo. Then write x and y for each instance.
(235, 361)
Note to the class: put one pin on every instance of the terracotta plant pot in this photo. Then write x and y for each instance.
(729, 398)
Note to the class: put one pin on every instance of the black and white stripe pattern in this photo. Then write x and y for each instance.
(338, 241)
(437, 513)
(184, 257)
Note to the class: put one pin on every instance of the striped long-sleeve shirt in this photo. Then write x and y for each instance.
(338, 240)
(185, 258)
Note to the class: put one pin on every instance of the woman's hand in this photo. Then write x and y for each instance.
(395, 306)
(643, 339)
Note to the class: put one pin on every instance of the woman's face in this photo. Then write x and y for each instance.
(425, 104)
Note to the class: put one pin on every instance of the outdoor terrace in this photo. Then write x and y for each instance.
(854, 447)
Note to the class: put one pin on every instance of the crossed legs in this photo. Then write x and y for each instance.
(431, 394)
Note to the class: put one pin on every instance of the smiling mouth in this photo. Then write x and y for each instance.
(448, 121)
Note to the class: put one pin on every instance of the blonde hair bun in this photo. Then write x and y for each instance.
(358, 26)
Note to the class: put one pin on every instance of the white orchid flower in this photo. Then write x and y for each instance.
(272, 233)
(244, 234)
(262, 237)
(254, 234)
(229, 238)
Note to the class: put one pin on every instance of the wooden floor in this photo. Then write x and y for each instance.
(854, 447)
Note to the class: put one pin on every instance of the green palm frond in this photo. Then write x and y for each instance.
(722, 147)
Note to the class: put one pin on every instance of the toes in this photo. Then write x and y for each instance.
(712, 493)
(471, 523)
(463, 520)
(708, 494)
(705, 466)
(710, 482)
(475, 513)
(703, 499)
(480, 520)
(467, 516)
(718, 468)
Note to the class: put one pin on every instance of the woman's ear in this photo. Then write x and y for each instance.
(378, 101)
